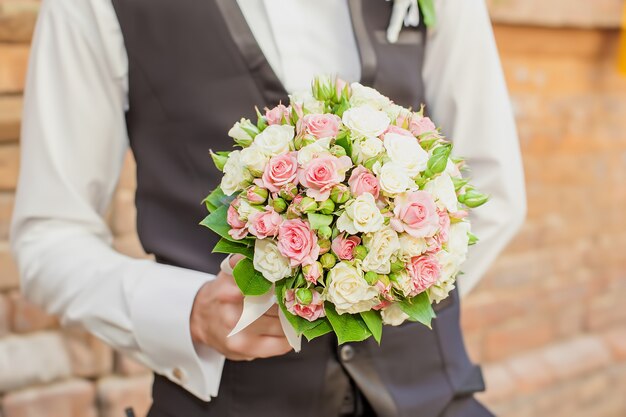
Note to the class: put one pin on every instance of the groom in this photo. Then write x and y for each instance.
(169, 78)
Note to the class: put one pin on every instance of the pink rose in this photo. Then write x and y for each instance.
(416, 214)
(311, 311)
(322, 173)
(419, 125)
(362, 181)
(264, 224)
(312, 272)
(320, 125)
(341, 85)
(275, 116)
(298, 242)
(444, 225)
(424, 271)
(238, 227)
(294, 208)
(397, 130)
(381, 305)
(343, 246)
(436, 242)
(384, 290)
(280, 170)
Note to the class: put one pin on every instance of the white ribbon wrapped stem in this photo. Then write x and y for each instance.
(255, 306)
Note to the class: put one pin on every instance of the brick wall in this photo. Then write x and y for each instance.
(547, 321)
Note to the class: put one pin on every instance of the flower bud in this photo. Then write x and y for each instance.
(397, 266)
(243, 132)
(371, 277)
(336, 232)
(326, 207)
(473, 198)
(324, 245)
(325, 232)
(340, 193)
(304, 296)
(384, 279)
(328, 260)
(288, 191)
(307, 205)
(312, 272)
(360, 252)
(256, 194)
(279, 205)
(338, 151)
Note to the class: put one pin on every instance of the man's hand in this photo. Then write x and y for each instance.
(215, 313)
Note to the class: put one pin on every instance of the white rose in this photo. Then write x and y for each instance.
(458, 240)
(393, 179)
(305, 99)
(255, 160)
(348, 290)
(440, 290)
(442, 190)
(366, 148)
(361, 215)
(393, 315)
(236, 176)
(307, 153)
(452, 170)
(406, 152)
(449, 265)
(365, 121)
(269, 261)
(242, 137)
(402, 282)
(367, 96)
(412, 246)
(245, 209)
(274, 140)
(394, 111)
(381, 246)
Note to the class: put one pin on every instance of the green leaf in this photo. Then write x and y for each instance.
(216, 199)
(249, 280)
(321, 329)
(459, 183)
(227, 246)
(299, 324)
(374, 323)
(428, 12)
(419, 309)
(343, 140)
(317, 220)
(219, 160)
(472, 239)
(347, 327)
(216, 221)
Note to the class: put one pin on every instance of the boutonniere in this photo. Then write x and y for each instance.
(408, 12)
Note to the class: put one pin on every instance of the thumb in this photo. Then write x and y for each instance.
(232, 261)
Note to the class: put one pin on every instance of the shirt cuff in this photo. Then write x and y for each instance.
(160, 311)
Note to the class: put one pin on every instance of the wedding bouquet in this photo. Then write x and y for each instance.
(349, 210)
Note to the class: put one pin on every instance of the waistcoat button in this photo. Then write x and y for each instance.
(347, 353)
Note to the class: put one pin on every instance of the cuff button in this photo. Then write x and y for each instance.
(178, 374)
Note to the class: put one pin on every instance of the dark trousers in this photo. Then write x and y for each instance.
(354, 404)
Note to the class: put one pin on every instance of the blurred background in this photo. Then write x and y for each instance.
(548, 321)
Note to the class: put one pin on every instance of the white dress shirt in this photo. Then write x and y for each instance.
(74, 139)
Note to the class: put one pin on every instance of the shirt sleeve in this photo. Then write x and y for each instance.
(73, 143)
(466, 94)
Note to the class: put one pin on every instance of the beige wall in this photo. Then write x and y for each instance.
(548, 321)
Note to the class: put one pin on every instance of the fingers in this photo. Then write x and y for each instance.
(242, 347)
(273, 311)
(234, 259)
(266, 326)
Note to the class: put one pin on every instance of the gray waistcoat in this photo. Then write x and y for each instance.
(194, 69)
